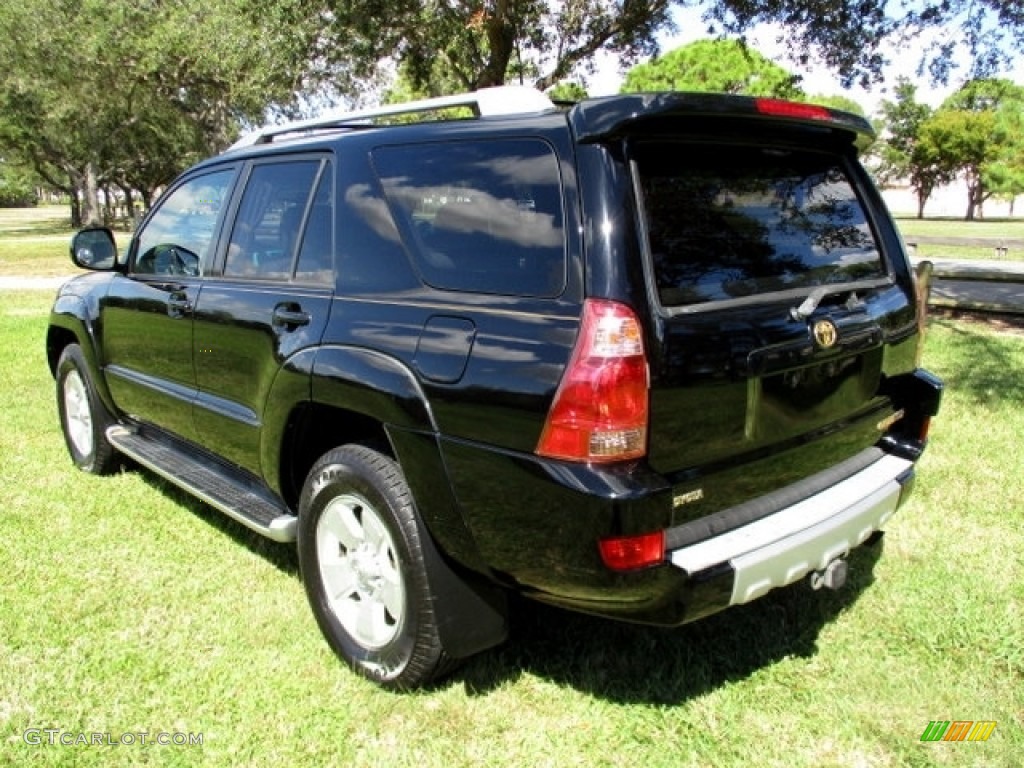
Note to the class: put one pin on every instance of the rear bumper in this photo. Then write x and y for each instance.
(785, 546)
(540, 537)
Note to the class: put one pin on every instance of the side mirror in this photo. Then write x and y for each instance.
(94, 249)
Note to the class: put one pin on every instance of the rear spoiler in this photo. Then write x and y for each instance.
(611, 117)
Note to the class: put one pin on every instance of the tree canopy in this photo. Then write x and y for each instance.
(488, 42)
(128, 92)
(723, 66)
(978, 134)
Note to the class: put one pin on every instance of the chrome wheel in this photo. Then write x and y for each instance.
(360, 570)
(78, 414)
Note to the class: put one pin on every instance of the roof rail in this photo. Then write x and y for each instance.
(500, 100)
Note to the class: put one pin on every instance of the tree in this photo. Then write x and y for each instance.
(846, 35)
(976, 133)
(102, 92)
(481, 43)
(903, 153)
(568, 91)
(722, 66)
(490, 42)
(845, 103)
(16, 187)
(1004, 175)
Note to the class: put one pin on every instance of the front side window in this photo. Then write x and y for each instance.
(178, 238)
(731, 222)
(482, 216)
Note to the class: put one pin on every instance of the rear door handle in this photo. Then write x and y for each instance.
(290, 316)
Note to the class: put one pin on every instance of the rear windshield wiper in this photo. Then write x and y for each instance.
(806, 309)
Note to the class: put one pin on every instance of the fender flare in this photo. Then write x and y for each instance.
(471, 611)
(71, 314)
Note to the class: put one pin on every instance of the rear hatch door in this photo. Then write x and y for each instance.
(775, 305)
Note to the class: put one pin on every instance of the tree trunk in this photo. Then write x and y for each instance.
(92, 216)
(129, 204)
(76, 209)
(501, 40)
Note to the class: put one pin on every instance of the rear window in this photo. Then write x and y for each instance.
(482, 216)
(728, 223)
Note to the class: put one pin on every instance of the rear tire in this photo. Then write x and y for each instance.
(360, 554)
(83, 417)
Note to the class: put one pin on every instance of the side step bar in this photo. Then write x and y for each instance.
(232, 496)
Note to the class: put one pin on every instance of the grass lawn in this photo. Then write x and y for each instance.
(996, 231)
(34, 241)
(126, 607)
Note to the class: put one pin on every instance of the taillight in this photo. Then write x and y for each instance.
(631, 553)
(600, 410)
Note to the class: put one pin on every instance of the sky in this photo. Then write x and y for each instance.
(817, 80)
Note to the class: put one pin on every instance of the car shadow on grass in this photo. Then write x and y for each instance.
(636, 664)
(282, 556)
(620, 662)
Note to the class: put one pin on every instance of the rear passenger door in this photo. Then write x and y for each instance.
(269, 302)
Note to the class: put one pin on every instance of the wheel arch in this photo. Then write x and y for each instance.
(359, 396)
(71, 323)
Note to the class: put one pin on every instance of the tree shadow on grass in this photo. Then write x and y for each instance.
(985, 369)
(634, 664)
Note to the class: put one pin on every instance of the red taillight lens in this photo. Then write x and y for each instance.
(783, 108)
(631, 553)
(599, 413)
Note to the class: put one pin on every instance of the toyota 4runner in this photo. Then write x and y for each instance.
(646, 357)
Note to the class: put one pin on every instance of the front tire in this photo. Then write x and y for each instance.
(83, 417)
(360, 554)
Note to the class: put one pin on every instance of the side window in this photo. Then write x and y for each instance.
(317, 249)
(177, 238)
(265, 234)
(482, 216)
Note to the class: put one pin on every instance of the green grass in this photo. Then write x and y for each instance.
(997, 231)
(995, 228)
(125, 607)
(34, 242)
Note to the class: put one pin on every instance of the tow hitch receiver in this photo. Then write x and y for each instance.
(832, 577)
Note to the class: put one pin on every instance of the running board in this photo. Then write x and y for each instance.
(232, 496)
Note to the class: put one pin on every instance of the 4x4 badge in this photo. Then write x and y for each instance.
(825, 333)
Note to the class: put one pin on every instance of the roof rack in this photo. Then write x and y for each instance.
(500, 100)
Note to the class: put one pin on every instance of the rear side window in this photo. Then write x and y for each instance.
(267, 231)
(731, 223)
(479, 216)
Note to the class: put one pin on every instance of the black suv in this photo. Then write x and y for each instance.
(647, 357)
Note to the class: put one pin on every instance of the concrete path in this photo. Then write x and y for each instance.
(18, 283)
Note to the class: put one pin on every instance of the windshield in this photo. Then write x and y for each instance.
(728, 222)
